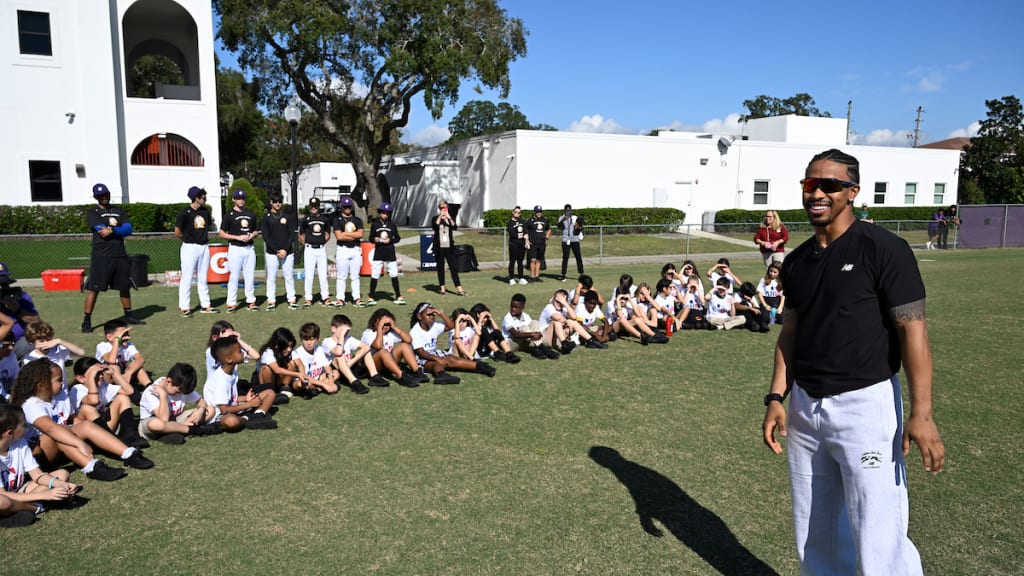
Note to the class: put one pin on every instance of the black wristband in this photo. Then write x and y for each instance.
(769, 398)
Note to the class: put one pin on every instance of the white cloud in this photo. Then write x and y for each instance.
(600, 125)
(884, 137)
(930, 83)
(729, 125)
(430, 136)
(969, 132)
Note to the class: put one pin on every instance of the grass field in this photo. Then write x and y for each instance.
(546, 468)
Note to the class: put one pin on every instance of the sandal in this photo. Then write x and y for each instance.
(444, 292)
(461, 292)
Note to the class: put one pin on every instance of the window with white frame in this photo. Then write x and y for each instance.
(44, 181)
(34, 33)
(939, 197)
(910, 193)
(880, 189)
(760, 192)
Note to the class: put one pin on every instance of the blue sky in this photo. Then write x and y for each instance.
(630, 67)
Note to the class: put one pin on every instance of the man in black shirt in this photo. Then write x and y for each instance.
(278, 229)
(239, 228)
(192, 227)
(348, 232)
(538, 232)
(516, 230)
(855, 308)
(314, 233)
(109, 266)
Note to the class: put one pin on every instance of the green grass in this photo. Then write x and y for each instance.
(494, 476)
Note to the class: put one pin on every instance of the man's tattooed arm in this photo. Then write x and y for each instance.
(907, 312)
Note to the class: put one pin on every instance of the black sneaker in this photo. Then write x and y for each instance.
(645, 339)
(357, 387)
(409, 380)
(549, 352)
(281, 398)
(538, 353)
(138, 461)
(105, 473)
(138, 442)
(511, 358)
(613, 336)
(443, 377)
(421, 376)
(593, 343)
(567, 347)
(18, 519)
(378, 380)
(205, 429)
(259, 420)
(499, 356)
(659, 338)
(174, 438)
(133, 321)
(86, 327)
(486, 369)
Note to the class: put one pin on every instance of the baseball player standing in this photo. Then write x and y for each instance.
(109, 266)
(192, 227)
(855, 307)
(239, 229)
(348, 232)
(278, 229)
(314, 232)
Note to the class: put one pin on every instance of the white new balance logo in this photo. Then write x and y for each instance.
(847, 267)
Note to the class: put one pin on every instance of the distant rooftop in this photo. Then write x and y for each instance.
(958, 143)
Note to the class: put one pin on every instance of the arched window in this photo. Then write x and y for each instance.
(167, 150)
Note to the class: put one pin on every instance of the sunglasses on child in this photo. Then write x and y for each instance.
(826, 185)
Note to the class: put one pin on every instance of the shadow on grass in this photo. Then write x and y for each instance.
(659, 498)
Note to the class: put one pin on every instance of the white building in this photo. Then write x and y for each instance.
(74, 113)
(695, 172)
(325, 180)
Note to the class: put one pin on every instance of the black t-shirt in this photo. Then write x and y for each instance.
(112, 216)
(538, 229)
(238, 223)
(193, 225)
(278, 231)
(845, 339)
(516, 232)
(348, 224)
(315, 229)
(384, 235)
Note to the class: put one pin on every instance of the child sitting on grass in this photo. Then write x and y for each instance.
(770, 294)
(46, 345)
(523, 332)
(118, 348)
(558, 322)
(722, 308)
(464, 337)
(163, 415)
(424, 328)
(23, 485)
(223, 329)
(276, 370)
(221, 392)
(590, 316)
(492, 342)
(389, 345)
(310, 360)
(350, 356)
(38, 390)
(101, 394)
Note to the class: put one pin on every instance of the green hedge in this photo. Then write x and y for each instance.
(669, 218)
(907, 214)
(144, 217)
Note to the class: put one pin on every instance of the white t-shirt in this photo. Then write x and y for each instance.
(546, 316)
(467, 339)
(150, 402)
(58, 410)
(510, 322)
(693, 301)
(15, 464)
(714, 281)
(664, 301)
(125, 353)
(769, 289)
(388, 341)
(427, 339)
(588, 318)
(315, 362)
(349, 347)
(59, 355)
(107, 393)
(8, 372)
(221, 388)
(719, 307)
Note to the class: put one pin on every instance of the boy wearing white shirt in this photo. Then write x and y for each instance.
(309, 358)
(163, 416)
(118, 348)
(521, 331)
(721, 308)
(101, 395)
(349, 355)
(558, 322)
(221, 392)
(590, 316)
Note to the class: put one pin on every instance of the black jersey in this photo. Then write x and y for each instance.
(845, 338)
(194, 225)
(384, 236)
(112, 216)
(238, 223)
(348, 224)
(278, 231)
(315, 229)
(516, 232)
(537, 230)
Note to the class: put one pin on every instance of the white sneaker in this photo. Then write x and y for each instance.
(511, 281)
(927, 245)
(523, 281)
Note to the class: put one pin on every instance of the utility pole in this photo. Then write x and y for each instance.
(849, 117)
(917, 126)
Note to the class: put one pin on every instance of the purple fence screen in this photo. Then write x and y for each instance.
(991, 226)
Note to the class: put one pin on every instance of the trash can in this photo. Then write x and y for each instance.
(138, 265)
(465, 258)
(218, 271)
(427, 260)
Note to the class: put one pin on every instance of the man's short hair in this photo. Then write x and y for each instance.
(183, 376)
(591, 296)
(340, 320)
(112, 326)
(840, 157)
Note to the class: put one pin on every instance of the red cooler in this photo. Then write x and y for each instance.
(367, 248)
(218, 271)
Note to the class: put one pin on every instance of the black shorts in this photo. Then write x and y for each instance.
(536, 251)
(109, 273)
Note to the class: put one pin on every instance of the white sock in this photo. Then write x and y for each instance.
(88, 467)
(128, 453)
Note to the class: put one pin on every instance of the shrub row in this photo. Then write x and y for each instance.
(669, 218)
(145, 217)
(799, 216)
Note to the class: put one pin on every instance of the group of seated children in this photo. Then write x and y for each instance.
(731, 302)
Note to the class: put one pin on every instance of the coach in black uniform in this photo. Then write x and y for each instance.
(192, 227)
(109, 266)
(279, 233)
(538, 232)
(516, 230)
(855, 308)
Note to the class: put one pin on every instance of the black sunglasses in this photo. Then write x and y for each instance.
(826, 185)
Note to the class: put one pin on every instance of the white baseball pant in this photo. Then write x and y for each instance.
(241, 260)
(195, 260)
(349, 260)
(287, 266)
(316, 259)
